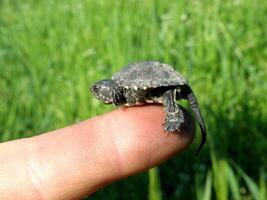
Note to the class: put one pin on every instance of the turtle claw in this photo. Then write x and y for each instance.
(172, 126)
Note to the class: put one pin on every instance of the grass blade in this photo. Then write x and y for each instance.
(262, 187)
(233, 184)
(252, 186)
(208, 187)
(154, 192)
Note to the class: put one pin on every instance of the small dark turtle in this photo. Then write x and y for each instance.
(151, 82)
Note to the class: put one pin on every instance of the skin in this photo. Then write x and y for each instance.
(75, 161)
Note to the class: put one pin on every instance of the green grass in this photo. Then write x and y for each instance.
(154, 190)
(50, 51)
(224, 179)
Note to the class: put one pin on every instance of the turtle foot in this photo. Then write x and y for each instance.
(172, 126)
(173, 122)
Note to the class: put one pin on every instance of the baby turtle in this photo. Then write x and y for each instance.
(151, 82)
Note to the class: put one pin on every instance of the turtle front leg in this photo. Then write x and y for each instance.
(133, 97)
(174, 115)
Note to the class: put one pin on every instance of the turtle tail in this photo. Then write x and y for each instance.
(188, 94)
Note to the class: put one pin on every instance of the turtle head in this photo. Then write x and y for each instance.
(107, 91)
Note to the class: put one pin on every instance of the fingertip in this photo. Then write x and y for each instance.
(140, 139)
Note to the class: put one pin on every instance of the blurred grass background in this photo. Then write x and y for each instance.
(51, 51)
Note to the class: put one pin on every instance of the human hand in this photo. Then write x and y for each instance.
(75, 161)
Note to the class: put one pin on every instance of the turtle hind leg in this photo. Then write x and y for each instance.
(173, 121)
(174, 115)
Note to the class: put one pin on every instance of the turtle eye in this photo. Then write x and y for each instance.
(95, 88)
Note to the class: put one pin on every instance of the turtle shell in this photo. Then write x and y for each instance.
(148, 74)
